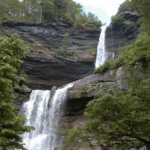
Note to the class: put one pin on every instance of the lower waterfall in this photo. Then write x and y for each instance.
(44, 113)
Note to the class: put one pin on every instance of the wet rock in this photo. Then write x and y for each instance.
(22, 80)
(89, 81)
(17, 88)
(27, 90)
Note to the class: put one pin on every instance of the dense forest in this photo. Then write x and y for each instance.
(46, 11)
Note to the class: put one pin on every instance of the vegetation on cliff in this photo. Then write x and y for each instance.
(120, 117)
(47, 11)
(11, 123)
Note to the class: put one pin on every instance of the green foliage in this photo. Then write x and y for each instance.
(136, 53)
(82, 91)
(44, 11)
(103, 68)
(117, 19)
(23, 74)
(65, 41)
(96, 24)
(142, 7)
(71, 119)
(11, 123)
(92, 50)
(82, 19)
(125, 6)
(117, 118)
(22, 89)
(120, 117)
(66, 53)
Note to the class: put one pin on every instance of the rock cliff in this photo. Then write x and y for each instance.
(51, 35)
(122, 33)
(75, 105)
(46, 69)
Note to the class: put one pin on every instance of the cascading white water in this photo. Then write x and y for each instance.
(100, 58)
(44, 114)
(102, 55)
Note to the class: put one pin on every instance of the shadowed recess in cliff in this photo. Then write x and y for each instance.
(43, 111)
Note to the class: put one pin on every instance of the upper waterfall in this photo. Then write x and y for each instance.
(100, 58)
(102, 55)
(43, 112)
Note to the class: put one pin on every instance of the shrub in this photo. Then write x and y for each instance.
(103, 68)
(22, 89)
(23, 74)
(65, 53)
(65, 42)
(117, 19)
(71, 119)
(92, 50)
(125, 6)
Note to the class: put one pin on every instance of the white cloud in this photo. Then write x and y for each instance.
(109, 6)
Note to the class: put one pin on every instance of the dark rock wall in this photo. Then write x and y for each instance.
(51, 35)
(121, 34)
(45, 72)
(49, 70)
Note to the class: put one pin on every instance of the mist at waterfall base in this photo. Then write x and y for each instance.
(43, 111)
(102, 55)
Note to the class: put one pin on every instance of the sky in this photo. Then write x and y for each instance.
(104, 9)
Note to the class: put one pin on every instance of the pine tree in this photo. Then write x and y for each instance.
(11, 123)
(65, 42)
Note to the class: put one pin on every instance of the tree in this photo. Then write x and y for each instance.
(65, 42)
(11, 123)
(142, 7)
(120, 117)
(125, 6)
(74, 10)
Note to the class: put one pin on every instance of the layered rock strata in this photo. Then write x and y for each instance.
(51, 35)
(122, 33)
(46, 71)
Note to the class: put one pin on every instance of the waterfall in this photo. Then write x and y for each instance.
(100, 58)
(44, 113)
(102, 55)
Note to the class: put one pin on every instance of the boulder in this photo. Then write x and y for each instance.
(17, 88)
(27, 90)
(22, 80)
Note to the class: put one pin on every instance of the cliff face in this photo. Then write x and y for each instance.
(46, 69)
(122, 33)
(75, 105)
(51, 35)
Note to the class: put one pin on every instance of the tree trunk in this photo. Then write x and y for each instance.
(40, 20)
